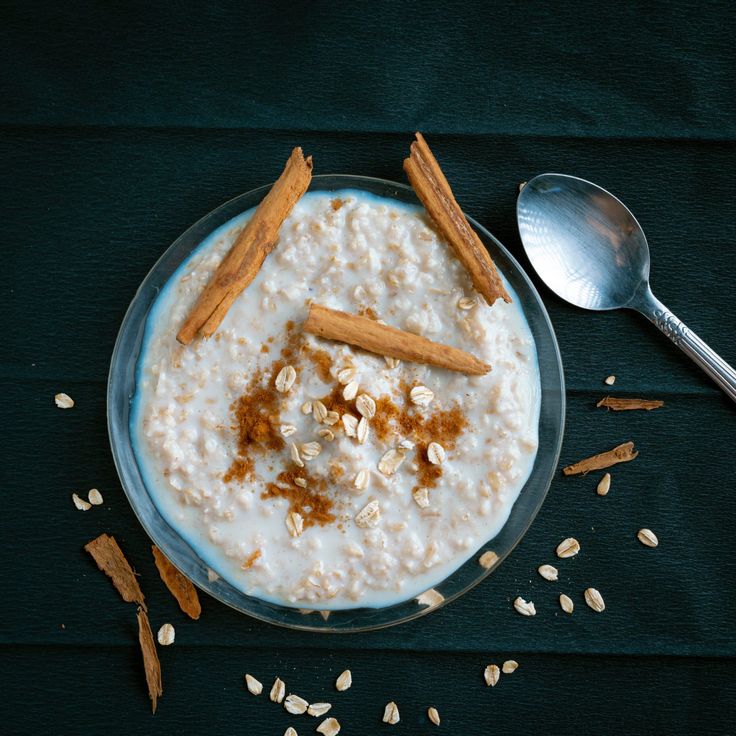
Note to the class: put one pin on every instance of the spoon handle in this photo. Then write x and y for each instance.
(690, 344)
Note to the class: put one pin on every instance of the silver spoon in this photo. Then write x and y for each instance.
(590, 250)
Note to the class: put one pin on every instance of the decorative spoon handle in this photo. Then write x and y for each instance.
(690, 344)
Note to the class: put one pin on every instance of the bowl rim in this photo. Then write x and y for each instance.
(356, 180)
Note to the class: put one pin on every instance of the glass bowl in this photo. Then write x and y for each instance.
(121, 388)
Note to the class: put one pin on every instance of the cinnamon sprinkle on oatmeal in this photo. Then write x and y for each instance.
(311, 503)
(256, 416)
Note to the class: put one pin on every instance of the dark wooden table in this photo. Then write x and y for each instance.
(124, 123)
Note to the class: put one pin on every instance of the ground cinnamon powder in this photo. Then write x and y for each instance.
(256, 414)
(312, 503)
(441, 425)
(335, 402)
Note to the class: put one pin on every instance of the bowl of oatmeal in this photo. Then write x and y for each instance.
(312, 484)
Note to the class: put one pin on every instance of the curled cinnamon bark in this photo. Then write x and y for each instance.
(374, 337)
(435, 194)
(257, 239)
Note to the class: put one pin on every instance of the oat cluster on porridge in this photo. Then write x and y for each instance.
(314, 474)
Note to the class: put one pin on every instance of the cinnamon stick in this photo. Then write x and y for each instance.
(257, 239)
(151, 663)
(609, 402)
(184, 592)
(111, 560)
(435, 194)
(621, 454)
(374, 337)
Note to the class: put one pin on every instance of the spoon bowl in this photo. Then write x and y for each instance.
(590, 250)
(585, 244)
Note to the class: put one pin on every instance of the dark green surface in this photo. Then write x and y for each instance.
(123, 125)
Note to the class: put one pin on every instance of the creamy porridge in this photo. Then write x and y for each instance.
(316, 475)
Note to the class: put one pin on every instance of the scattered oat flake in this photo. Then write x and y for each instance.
(568, 548)
(329, 727)
(285, 378)
(344, 681)
(294, 523)
(433, 715)
(436, 453)
(525, 608)
(391, 363)
(491, 675)
(488, 559)
(369, 515)
(290, 731)
(301, 482)
(466, 302)
(421, 497)
(350, 425)
(253, 685)
(430, 598)
(325, 615)
(647, 537)
(151, 664)
(421, 396)
(391, 461)
(95, 497)
(326, 434)
(178, 585)
(295, 705)
(278, 690)
(610, 380)
(346, 375)
(594, 600)
(287, 430)
(548, 572)
(318, 709)
(331, 418)
(111, 560)
(166, 635)
(604, 485)
(366, 406)
(362, 431)
(294, 451)
(509, 666)
(566, 603)
(319, 411)
(350, 391)
(311, 449)
(64, 401)
(362, 479)
(391, 713)
(80, 503)
(306, 407)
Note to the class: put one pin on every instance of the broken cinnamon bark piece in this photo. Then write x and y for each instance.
(609, 402)
(151, 663)
(111, 560)
(620, 454)
(184, 592)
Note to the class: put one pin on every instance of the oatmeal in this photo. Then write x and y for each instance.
(316, 475)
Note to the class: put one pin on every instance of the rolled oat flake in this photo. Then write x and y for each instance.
(594, 600)
(344, 681)
(391, 713)
(647, 537)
